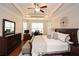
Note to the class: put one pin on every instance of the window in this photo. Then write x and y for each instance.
(37, 26)
(24, 26)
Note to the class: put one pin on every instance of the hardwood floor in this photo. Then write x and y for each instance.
(17, 51)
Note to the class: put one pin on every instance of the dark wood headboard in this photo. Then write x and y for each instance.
(73, 34)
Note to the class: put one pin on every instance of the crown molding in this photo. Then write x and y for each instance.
(18, 8)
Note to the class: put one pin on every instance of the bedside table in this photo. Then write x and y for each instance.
(74, 50)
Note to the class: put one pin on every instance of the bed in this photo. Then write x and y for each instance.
(42, 45)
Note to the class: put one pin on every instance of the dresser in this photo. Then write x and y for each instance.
(9, 43)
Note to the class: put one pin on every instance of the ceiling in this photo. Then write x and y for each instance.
(53, 9)
(29, 13)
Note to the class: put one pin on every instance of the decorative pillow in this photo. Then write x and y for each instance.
(55, 35)
(52, 35)
(62, 36)
(49, 36)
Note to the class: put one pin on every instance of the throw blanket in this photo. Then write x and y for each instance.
(38, 46)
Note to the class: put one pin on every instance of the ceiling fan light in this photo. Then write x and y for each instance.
(37, 9)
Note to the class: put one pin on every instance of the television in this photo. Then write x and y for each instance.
(8, 27)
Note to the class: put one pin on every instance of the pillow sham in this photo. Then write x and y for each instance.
(63, 37)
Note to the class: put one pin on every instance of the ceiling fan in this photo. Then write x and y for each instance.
(38, 8)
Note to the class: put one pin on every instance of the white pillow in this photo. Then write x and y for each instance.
(62, 36)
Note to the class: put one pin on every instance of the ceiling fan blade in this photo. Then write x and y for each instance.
(30, 8)
(43, 6)
(42, 11)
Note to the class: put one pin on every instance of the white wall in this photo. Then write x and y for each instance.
(7, 13)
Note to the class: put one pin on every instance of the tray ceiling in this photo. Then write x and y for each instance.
(23, 7)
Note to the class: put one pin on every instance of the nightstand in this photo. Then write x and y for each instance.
(74, 50)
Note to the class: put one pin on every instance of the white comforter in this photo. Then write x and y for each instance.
(42, 45)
